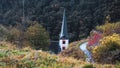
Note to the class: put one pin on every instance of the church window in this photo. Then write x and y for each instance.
(63, 42)
(63, 48)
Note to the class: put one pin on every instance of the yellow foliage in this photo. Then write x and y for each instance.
(6, 46)
(107, 44)
(109, 28)
(109, 39)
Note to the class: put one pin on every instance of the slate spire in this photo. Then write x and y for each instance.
(64, 33)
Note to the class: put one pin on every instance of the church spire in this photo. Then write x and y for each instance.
(64, 33)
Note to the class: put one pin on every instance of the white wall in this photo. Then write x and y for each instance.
(63, 45)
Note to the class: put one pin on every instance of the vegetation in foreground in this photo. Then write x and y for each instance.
(11, 57)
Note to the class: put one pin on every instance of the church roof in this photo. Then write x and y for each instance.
(64, 33)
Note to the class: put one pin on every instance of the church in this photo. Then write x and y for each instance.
(63, 40)
(62, 44)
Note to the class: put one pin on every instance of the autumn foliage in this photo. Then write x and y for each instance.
(109, 28)
(108, 49)
(94, 38)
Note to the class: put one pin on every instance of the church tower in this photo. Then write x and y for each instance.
(64, 41)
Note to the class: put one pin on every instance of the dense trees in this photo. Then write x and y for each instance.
(82, 15)
(38, 37)
(34, 35)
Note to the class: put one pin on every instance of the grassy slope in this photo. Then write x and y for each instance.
(11, 57)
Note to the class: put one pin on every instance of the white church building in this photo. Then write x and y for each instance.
(63, 40)
(62, 44)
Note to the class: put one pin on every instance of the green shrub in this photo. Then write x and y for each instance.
(3, 33)
(117, 65)
(14, 35)
(88, 66)
(38, 37)
(2, 54)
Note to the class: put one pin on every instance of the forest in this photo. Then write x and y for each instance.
(30, 30)
(82, 15)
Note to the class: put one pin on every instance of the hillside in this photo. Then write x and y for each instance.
(11, 57)
(107, 48)
(81, 14)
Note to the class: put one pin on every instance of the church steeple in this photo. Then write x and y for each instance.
(64, 41)
(64, 33)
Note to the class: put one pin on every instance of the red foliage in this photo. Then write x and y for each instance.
(94, 39)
